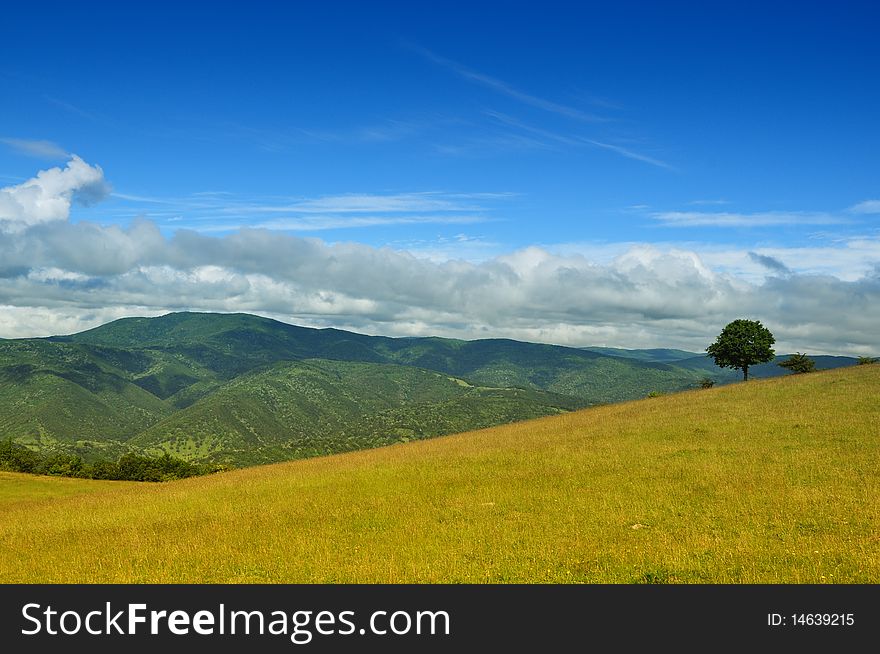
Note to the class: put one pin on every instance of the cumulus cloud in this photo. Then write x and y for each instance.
(646, 296)
(57, 276)
(48, 196)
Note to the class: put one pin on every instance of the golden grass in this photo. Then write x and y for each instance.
(17, 490)
(766, 482)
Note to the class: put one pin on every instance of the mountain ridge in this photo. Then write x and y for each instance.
(234, 387)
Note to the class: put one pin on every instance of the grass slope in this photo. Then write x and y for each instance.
(770, 481)
(19, 491)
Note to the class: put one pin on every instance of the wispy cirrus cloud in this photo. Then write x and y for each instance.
(38, 148)
(631, 154)
(221, 212)
(71, 108)
(536, 137)
(574, 140)
(330, 221)
(505, 88)
(354, 203)
(730, 219)
(284, 138)
(866, 207)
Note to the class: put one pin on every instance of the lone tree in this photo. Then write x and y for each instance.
(741, 344)
(798, 363)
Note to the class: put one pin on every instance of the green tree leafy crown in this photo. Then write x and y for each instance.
(742, 343)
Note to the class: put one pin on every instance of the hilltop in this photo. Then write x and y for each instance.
(773, 481)
(240, 389)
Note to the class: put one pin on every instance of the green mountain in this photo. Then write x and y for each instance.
(316, 406)
(58, 393)
(242, 389)
(662, 355)
(227, 345)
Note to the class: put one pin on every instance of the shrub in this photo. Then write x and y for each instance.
(798, 364)
(129, 467)
(17, 458)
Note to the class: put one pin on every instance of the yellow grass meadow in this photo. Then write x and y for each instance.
(771, 481)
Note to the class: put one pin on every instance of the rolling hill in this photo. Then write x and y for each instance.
(773, 481)
(56, 394)
(318, 406)
(241, 389)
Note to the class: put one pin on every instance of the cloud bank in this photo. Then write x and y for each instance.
(58, 276)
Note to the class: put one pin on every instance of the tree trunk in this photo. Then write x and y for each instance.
(745, 373)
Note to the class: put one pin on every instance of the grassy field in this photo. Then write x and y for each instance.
(18, 490)
(772, 481)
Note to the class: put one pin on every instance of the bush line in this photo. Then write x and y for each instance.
(129, 467)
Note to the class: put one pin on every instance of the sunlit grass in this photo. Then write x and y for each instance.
(17, 490)
(765, 482)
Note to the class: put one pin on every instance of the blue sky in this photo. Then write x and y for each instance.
(655, 151)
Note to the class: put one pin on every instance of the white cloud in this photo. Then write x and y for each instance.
(504, 88)
(574, 140)
(224, 212)
(28, 321)
(866, 207)
(645, 296)
(36, 148)
(324, 222)
(760, 219)
(49, 196)
(407, 202)
(61, 276)
(630, 154)
(848, 259)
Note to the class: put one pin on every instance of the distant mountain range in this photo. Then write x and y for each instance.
(696, 361)
(241, 389)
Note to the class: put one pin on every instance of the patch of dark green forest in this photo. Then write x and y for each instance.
(128, 467)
